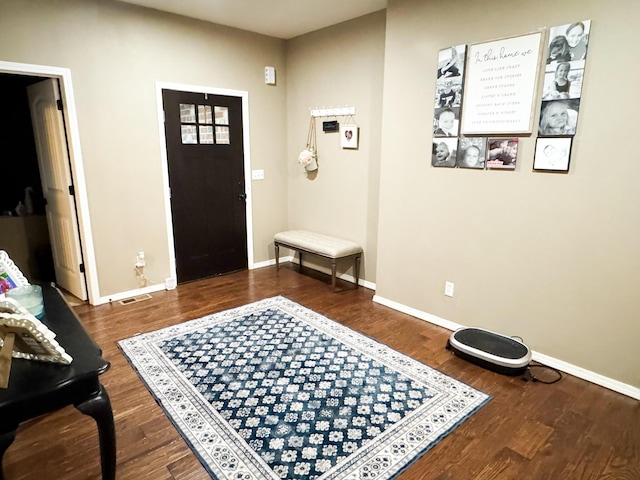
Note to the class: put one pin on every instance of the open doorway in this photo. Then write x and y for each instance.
(23, 224)
(26, 219)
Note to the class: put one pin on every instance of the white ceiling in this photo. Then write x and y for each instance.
(277, 18)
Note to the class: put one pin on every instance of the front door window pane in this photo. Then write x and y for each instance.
(204, 114)
(189, 134)
(222, 136)
(206, 134)
(187, 113)
(222, 115)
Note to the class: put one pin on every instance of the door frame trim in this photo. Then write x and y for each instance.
(75, 160)
(244, 95)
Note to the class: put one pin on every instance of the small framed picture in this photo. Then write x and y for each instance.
(349, 136)
(562, 83)
(502, 153)
(471, 152)
(443, 152)
(568, 42)
(10, 275)
(446, 122)
(559, 117)
(451, 62)
(448, 92)
(552, 154)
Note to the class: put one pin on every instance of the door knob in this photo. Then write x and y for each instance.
(242, 196)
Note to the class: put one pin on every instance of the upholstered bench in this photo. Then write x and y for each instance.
(322, 245)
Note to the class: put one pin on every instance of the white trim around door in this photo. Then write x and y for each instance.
(75, 160)
(165, 166)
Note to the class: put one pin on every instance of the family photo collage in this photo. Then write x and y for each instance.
(498, 80)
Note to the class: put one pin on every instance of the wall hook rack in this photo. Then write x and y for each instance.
(333, 111)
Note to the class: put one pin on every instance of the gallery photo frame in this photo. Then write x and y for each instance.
(502, 153)
(449, 90)
(553, 154)
(509, 66)
(471, 152)
(443, 152)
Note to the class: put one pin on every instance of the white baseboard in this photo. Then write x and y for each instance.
(344, 276)
(268, 263)
(566, 367)
(156, 288)
(449, 325)
(588, 375)
(131, 293)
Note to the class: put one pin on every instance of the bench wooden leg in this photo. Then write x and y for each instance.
(277, 256)
(300, 256)
(357, 270)
(333, 274)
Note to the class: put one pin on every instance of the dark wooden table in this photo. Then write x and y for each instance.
(36, 388)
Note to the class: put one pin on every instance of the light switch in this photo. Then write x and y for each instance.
(270, 75)
(448, 289)
(257, 174)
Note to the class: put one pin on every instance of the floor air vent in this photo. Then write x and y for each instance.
(137, 298)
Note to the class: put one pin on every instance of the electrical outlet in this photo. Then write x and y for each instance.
(140, 262)
(257, 174)
(448, 289)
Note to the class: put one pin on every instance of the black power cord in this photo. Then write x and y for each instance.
(528, 374)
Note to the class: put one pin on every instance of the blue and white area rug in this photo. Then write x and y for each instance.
(273, 390)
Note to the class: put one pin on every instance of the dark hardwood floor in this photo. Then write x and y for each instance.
(528, 431)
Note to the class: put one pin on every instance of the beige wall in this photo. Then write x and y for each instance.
(337, 66)
(552, 258)
(117, 53)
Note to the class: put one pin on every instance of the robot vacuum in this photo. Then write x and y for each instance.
(490, 350)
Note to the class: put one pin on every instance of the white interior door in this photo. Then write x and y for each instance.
(53, 161)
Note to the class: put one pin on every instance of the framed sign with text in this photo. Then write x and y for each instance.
(501, 85)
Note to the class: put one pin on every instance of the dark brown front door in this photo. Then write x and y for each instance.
(206, 178)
